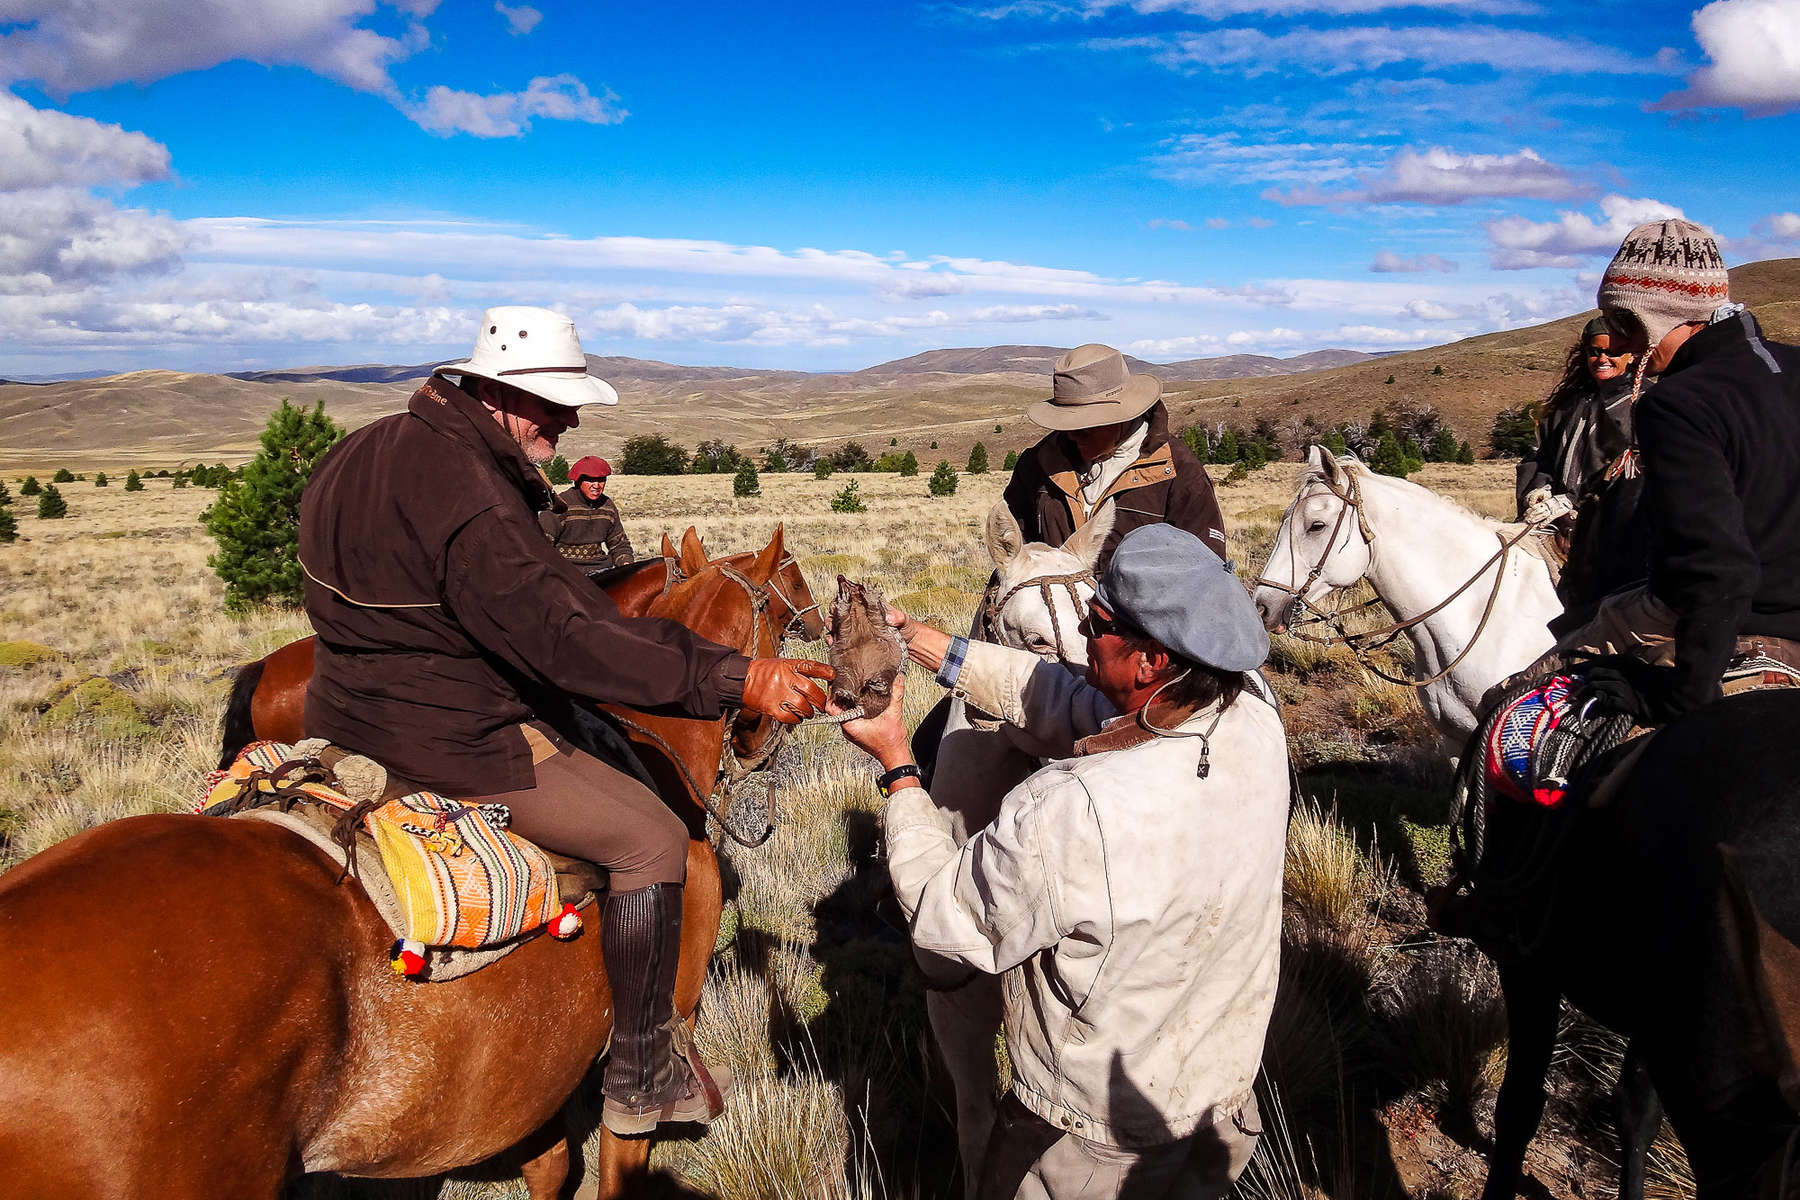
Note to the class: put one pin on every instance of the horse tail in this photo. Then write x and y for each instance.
(238, 730)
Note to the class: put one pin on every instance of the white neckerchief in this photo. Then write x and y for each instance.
(1096, 477)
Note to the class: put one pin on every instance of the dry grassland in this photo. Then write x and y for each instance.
(114, 651)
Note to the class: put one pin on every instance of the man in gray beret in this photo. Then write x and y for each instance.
(1130, 890)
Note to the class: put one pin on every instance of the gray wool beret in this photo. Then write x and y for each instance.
(1170, 584)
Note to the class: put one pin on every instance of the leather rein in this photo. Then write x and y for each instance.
(1360, 643)
(732, 771)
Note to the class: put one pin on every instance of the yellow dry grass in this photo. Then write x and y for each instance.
(120, 592)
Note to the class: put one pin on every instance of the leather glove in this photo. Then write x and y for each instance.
(783, 688)
(1543, 507)
(1633, 689)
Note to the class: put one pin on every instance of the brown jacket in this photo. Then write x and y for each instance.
(1166, 485)
(588, 532)
(439, 605)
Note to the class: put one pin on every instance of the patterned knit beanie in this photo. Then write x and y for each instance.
(1665, 274)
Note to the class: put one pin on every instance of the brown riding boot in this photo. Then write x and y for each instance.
(653, 1073)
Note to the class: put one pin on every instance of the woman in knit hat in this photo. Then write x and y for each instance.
(1719, 438)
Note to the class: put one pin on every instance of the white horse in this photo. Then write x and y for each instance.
(1416, 549)
(1040, 596)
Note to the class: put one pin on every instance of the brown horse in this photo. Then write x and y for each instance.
(268, 697)
(197, 1007)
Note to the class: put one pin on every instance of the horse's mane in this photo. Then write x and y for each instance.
(1310, 474)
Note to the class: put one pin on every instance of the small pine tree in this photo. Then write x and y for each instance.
(978, 460)
(996, 429)
(51, 505)
(180, 481)
(100, 480)
(1194, 438)
(133, 482)
(63, 475)
(652, 454)
(256, 519)
(822, 469)
(1514, 433)
(909, 465)
(943, 480)
(893, 441)
(30, 487)
(5, 496)
(1437, 370)
(1443, 446)
(1012, 461)
(745, 482)
(1390, 457)
(9, 527)
(1390, 379)
(1334, 442)
(934, 445)
(849, 500)
(1238, 473)
(558, 470)
(1465, 454)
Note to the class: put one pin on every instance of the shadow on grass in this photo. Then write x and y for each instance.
(1404, 811)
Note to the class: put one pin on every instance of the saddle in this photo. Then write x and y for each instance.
(458, 889)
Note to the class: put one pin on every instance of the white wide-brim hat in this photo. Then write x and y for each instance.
(536, 351)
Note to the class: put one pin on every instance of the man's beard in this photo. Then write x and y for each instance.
(538, 451)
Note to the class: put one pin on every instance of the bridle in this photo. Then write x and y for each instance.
(1360, 643)
(993, 603)
(796, 615)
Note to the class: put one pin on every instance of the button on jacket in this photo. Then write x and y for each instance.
(1134, 908)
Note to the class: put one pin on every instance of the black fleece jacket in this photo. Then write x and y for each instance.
(1720, 438)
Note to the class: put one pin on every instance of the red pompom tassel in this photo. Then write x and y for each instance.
(408, 958)
(565, 924)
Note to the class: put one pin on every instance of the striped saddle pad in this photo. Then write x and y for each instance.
(460, 879)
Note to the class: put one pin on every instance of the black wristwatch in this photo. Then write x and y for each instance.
(885, 781)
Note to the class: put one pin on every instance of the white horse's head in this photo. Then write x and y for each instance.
(1043, 619)
(1322, 543)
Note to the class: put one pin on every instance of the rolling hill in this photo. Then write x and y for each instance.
(953, 397)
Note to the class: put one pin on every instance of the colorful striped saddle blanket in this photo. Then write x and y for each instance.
(451, 877)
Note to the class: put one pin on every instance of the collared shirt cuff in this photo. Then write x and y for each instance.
(953, 662)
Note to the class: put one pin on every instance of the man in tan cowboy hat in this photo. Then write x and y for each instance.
(584, 524)
(1109, 440)
(440, 608)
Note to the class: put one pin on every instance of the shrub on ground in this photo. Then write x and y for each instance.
(30, 487)
(557, 471)
(978, 460)
(849, 500)
(256, 518)
(97, 704)
(943, 479)
(133, 482)
(1514, 433)
(909, 465)
(9, 525)
(51, 505)
(1011, 462)
(822, 469)
(101, 480)
(653, 454)
(63, 475)
(746, 483)
(5, 496)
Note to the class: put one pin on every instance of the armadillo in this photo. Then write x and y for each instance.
(864, 649)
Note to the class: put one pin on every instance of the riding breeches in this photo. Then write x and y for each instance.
(584, 808)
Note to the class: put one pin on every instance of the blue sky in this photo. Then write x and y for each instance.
(225, 184)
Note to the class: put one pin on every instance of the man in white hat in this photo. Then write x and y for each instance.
(446, 621)
(1109, 440)
(1129, 892)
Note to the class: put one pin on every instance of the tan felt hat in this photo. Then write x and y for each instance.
(1091, 388)
(536, 351)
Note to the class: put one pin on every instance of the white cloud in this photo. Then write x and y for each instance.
(1754, 48)
(1515, 243)
(1388, 263)
(521, 20)
(1214, 10)
(45, 148)
(509, 114)
(1251, 52)
(80, 45)
(1442, 176)
(1778, 227)
(56, 237)
(70, 46)
(1196, 158)
(1169, 223)
(1427, 310)
(1217, 223)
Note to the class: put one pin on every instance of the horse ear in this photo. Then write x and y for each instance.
(693, 554)
(1319, 458)
(1329, 465)
(769, 560)
(1085, 543)
(668, 548)
(1004, 537)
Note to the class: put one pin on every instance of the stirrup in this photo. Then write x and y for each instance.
(701, 1102)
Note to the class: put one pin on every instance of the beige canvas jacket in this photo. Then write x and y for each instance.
(1134, 908)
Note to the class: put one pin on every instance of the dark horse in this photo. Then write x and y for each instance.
(1672, 916)
(197, 1008)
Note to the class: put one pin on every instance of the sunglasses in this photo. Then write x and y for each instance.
(1097, 625)
(1596, 352)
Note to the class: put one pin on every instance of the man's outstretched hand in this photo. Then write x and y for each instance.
(784, 688)
(884, 737)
